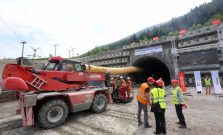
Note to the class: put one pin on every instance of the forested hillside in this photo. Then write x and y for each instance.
(198, 17)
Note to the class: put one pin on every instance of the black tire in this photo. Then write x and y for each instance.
(115, 95)
(99, 103)
(50, 116)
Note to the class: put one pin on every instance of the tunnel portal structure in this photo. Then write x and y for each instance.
(199, 50)
(151, 66)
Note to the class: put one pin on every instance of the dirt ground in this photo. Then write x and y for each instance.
(203, 117)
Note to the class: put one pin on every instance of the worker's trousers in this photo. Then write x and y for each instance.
(128, 92)
(180, 114)
(160, 121)
(123, 93)
(143, 107)
(208, 87)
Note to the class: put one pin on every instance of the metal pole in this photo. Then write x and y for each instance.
(23, 43)
(69, 53)
(220, 33)
(72, 50)
(175, 61)
(56, 49)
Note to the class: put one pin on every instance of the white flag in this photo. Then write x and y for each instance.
(197, 77)
(216, 81)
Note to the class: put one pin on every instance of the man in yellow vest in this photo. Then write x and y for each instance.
(158, 96)
(207, 84)
(143, 97)
(178, 100)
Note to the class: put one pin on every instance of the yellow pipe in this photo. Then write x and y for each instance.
(113, 71)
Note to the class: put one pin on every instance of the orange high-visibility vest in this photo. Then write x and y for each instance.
(112, 83)
(129, 85)
(141, 95)
(123, 82)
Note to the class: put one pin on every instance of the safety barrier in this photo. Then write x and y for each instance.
(198, 41)
(109, 62)
(109, 56)
(199, 32)
(148, 43)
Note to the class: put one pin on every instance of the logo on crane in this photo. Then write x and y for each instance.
(95, 76)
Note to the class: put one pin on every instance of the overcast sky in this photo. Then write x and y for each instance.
(81, 24)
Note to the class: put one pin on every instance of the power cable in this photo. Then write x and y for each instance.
(6, 24)
(9, 45)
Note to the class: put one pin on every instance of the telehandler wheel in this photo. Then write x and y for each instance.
(99, 103)
(53, 113)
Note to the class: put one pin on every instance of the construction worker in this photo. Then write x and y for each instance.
(123, 88)
(113, 83)
(158, 96)
(68, 68)
(143, 97)
(207, 82)
(178, 100)
(129, 87)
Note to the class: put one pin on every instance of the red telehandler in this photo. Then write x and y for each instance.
(48, 95)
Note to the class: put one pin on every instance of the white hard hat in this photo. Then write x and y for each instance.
(112, 78)
(121, 76)
(128, 77)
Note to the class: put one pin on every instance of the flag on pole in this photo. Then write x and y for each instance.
(182, 81)
(216, 22)
(197, 77)
(182, 31)
(216, 81)
(155, 38)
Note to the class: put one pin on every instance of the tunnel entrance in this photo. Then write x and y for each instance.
(151, 66)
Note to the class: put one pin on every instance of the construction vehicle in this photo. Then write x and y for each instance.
(47, 96)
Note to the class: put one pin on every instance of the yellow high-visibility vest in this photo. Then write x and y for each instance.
(207, 81)
(159, 97)
(176, 98)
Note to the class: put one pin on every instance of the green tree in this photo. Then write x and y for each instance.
(199, 26)
(170, 34)
(146, 39)
(106, 49)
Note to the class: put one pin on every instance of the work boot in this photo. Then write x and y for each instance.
(140, 123)
(156, 133)
(147, 126)
(182, 126)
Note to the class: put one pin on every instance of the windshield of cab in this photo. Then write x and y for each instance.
(71, 66)
(51, 66)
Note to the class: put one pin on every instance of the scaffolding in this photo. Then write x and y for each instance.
(175, 54)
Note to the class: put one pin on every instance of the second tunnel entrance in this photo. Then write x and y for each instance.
(152, 67)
